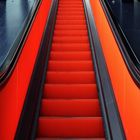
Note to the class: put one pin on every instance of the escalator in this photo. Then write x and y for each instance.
(70, 105)
(67, 76)
(69, 94)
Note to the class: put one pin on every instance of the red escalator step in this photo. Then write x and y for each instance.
(70, 77)
(70, 108)
(70, 39)
(70, 66)
(70, 27)
(73, 1)
(70, 1)
(71, 47)
(83, 55)
(74, 17)
(71, 22)
(70, 91)
(71, 8)
(68, 13)
(70, 33)
(70, 5)
(71, 127)
(65, 9)
(70, 139)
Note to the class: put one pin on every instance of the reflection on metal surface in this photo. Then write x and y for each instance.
(12, 16)
(128, 17)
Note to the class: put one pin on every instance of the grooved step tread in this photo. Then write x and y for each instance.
(71, 1)
(70, 139)
(65, 56)
(70, 8)
(70, 39)
(70, 27)
(68, 13)
(70, 108)
(74, 17)
(74, 127)
(70, 5)
(70, 91)
(70, 77)
(70, 66)
(70, 32)
(70, 47)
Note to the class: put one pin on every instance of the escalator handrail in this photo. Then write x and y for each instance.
(12, 57)
(112, 121)
(128, 55)
(28, 121)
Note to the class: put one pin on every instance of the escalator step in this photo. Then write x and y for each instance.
(70, 66)
(70, 39)
(70, 8)
(70, 27)
(71, 47)
(70, 108)
(70, 77)
(74, 17)
(70, 33)
(75, 127)
(70, 91)
(65, 56)
(70, 139)
(68, 13)
(61, 5)
(71, 3)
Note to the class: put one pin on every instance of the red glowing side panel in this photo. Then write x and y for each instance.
(126, 92)
(12, 94)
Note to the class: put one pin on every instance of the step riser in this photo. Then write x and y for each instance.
(70, 66)
(71, 13)
(69, 18)
(71, 56)
(71, 77)
(76, 33)
(65, 91)
(71, 128)
(70, 27)
(71, 108)
(70, 40)
(70, 47)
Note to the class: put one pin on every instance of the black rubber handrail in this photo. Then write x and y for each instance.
(112, 121)
(129, 56)
(11, 59)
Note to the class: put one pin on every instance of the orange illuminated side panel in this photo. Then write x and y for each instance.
(126, 91)
(13, 93)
